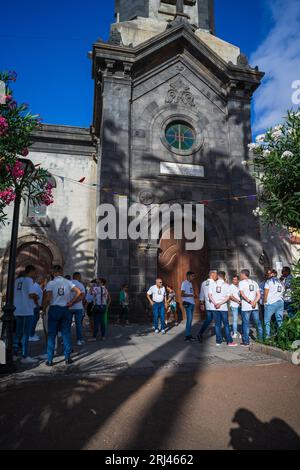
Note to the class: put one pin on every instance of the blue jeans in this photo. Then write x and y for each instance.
(246, 316)
(159, 312)
(59, 320)
(78, 315)
(288, 306)
(208, 321)
(276, 309)
(23, 327)
(35, 320)
(220, 317)
(99, 320)
(235, 315)
(189, 310)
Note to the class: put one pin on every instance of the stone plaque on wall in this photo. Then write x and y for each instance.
(179, 169)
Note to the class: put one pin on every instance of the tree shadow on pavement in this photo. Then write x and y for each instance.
(253, 434)
(60, 414)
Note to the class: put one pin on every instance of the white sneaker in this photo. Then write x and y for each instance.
(235, 336)
(156, 331)
(28, 360)
(219, 344)
(43, 357)
(34, 339)
(80, 343)
(163, 332)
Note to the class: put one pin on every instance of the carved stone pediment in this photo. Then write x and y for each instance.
(179, 92)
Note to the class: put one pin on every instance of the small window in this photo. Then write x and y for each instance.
(180, 136)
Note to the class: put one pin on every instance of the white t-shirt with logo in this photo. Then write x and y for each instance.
(24, 286)
(220, 292)
(80, 286)
(276, 291)
(204, 297)
(187, 288)
(158, 294)
(100, 294)
(250, 289)
(39, 292)
(235, 292)
(61, 289)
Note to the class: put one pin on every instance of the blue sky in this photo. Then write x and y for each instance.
(47, 44)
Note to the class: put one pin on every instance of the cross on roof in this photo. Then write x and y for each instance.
(180, 6)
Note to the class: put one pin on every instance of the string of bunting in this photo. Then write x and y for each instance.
(205, 202)
(252, 197)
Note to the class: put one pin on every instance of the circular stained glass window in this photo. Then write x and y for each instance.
(180, 136)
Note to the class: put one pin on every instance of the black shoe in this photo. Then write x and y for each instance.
(49, 364)
(189, 338)
(200, 338)
(69, 361)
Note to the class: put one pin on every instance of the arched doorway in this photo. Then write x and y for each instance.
(36, 254)
(174, 262)
(38, 250)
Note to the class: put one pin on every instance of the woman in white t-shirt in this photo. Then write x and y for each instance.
(102, 301)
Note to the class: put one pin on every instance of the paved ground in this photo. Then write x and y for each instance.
(246, 407)
(141, 391)
(136, 349)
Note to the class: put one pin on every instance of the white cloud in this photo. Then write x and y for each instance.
(279, 57)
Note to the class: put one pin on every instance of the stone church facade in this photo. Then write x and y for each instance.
(172, 121)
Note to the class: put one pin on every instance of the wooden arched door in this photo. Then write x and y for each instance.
(174, 262)
(36, 254)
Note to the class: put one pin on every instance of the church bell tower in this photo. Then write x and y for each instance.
(199, 13)
(172, 111)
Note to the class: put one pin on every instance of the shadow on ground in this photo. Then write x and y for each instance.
(253, 434)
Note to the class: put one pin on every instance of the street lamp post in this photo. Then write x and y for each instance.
(9, 308)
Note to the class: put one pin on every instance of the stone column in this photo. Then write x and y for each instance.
(114, 166)
(245, 241)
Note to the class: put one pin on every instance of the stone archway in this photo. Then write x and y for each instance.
(33, 249)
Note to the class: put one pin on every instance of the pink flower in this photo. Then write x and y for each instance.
(3, 125)
(7, 196)
(25, 152)
(47, 196)
(47, 199)
(8, 97)
(17, 171)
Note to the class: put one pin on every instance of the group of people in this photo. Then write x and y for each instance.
(243, 297)
(60, 301)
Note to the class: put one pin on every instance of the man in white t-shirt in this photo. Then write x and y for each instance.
(77, 310)
(156, 296)
(58, 294)
(250, 294)
(25, 300)
(188, 300)
(206, 303)
(235, 304)
(273, 301)
(219, 295)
